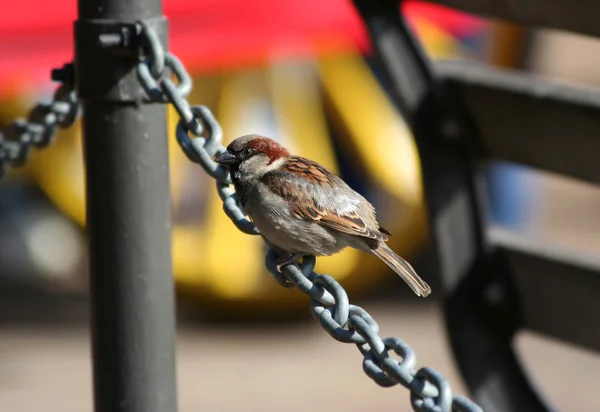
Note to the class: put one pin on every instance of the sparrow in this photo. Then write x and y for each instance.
(302, 208)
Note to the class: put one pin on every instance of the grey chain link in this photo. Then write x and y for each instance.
(39, 129)
(329, 304)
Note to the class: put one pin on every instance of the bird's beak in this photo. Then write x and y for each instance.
(226, 158)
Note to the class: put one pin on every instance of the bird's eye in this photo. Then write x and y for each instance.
(248, 152)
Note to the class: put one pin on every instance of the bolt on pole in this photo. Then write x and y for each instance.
(128, 212)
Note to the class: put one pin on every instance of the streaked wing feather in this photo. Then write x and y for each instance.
(294, 183)
(349, 223)
(383, 230)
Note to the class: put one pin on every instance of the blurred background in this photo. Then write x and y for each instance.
(300, 72)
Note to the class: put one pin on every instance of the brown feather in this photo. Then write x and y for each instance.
(306, 207)
(351, 224)
(268, 147)
(382, 230)
(403, 269)
(309, 170)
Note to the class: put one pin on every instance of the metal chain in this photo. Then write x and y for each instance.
(329, 304)
(39, 129)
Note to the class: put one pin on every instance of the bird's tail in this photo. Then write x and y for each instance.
(403, 269)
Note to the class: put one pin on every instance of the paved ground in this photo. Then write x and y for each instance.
(293, 368)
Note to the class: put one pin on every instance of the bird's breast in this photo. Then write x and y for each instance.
(271, 215)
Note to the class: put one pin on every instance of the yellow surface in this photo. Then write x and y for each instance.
(434, 40)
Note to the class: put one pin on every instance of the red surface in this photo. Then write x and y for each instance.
(36, 35)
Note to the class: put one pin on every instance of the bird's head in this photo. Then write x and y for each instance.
(249, 157)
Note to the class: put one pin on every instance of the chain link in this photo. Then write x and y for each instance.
(199, 136)
(39, 128)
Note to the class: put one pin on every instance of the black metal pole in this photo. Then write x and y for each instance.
(128, 212)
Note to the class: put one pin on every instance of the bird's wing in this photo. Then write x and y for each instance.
(315, 193)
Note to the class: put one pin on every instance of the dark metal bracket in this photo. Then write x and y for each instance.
(101, 45)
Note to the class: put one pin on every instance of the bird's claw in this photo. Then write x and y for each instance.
(281, 262)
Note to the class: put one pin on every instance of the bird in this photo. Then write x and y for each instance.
(302, 208)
